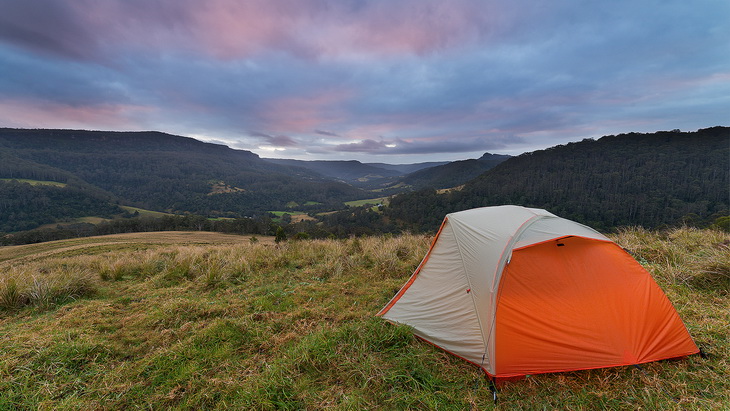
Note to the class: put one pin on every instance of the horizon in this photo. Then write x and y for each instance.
(371, 161)
(396, 82)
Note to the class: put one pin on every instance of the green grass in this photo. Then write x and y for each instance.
(281, 213)
(371, 201)
(294, 204)
(176, 323)
(295, 215)
(35, 182)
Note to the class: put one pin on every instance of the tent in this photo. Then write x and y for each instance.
(520, 291)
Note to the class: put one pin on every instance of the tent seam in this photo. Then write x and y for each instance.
(500, 267)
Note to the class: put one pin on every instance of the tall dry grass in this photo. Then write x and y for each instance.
(44, 286)
(698, 258)
(59, 279)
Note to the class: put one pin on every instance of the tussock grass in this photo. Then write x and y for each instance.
(696, 258)
(257, 325)
(44, 287)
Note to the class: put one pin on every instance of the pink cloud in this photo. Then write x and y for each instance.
(15, 113)
(303, 114)
(232, 29)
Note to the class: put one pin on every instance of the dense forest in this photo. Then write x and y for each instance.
(652, 180)
(454, 173)
(24, 206)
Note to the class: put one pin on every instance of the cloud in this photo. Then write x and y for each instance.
(33, 114)
(231, 29)
(282, 141)
(326, 133)
(46, 27)
(276, 141)
(428, 146)
(364, 146)
(414, 78)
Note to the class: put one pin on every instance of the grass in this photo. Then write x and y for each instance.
(371, 201)
(296, 216)
(117, 242)
(193, 323)
(97, 220)
(35, 182)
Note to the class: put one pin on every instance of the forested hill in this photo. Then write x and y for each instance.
(164, 172)
(102, 141)
(352, 171)
(454, 173)
(630, 179)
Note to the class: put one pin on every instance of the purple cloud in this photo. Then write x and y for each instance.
(276, 141)
(326, 133)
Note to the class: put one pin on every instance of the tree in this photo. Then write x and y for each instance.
(280, 235)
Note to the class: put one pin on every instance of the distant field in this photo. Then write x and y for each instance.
(296, 216)
(145, 213)
(121, 242)
(98, 220)
(447, 190)
(371, 201)
(294, 204)
(35, 182)
(399, 185)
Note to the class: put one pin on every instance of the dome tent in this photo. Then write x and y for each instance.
(520, 291)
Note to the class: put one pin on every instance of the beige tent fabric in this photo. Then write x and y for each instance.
(438, 306)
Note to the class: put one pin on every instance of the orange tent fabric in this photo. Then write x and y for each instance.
(521, 291)
(579, 303)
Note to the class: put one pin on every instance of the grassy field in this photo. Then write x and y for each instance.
(296, 216)
(203, 320)
(371, 201)
(35, 182)
(98, 220)
(118, 242)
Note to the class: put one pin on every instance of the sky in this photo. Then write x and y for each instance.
(395, 81)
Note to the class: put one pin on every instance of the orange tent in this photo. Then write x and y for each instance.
(521, 291)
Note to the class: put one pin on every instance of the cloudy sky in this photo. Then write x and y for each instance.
(396, 81)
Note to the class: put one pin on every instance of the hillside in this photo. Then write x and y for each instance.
(655, 179)
(403, 169)
(25, 205)
(454, 173)
(202, 321)
(352, 172)
(393, 178)
(167, 173)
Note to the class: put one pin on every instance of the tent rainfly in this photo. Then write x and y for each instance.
(520, 291)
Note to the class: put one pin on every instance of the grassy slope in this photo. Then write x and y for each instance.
(97, 220)
(145, 213)
(117, 242)
(105, 324)
(35, 182)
